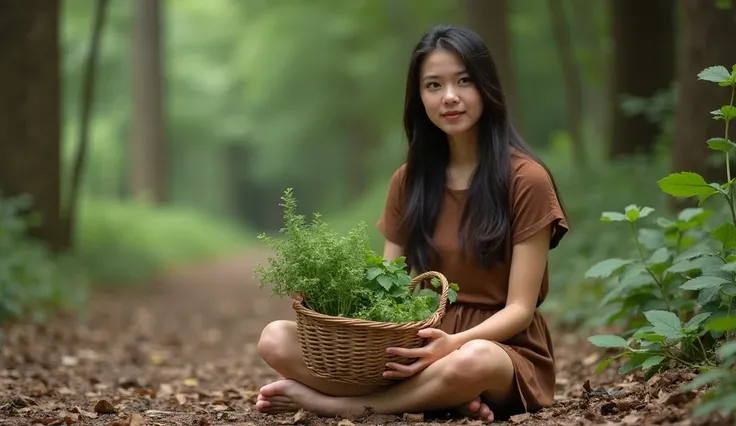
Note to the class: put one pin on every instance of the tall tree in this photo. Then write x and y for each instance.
(30, 160)
(707, 39)
(148, 162)
(572, 77)
(490, 19)
(643, 63)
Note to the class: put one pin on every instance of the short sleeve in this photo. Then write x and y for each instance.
(535, 204)
(390, 220)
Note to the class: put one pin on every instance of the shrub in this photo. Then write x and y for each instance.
(34, 282)
(675, 297)
(126, 242)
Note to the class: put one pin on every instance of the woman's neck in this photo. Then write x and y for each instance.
(463, 159)
(463, 151)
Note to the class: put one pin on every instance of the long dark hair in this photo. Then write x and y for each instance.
(487, 212)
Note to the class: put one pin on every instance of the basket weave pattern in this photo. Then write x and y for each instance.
(353, 351)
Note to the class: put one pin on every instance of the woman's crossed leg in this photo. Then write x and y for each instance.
(478, 368)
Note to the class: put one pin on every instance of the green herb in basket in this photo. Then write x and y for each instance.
(340, 275)
(392, 301)
(311, 260)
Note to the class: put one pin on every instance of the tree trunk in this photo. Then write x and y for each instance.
(643, 64)
(148, 162)
(490, 20)
(573, 80)
(85, 104)
(30, 160)
(707, 39)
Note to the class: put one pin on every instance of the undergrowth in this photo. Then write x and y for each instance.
(675, 296)
(342, 275)
(126, 242)
(34, 281)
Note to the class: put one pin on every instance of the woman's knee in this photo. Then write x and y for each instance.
(478, 361)
(277, 343)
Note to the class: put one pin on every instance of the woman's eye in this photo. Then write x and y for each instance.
(432, 85)
(465, 80)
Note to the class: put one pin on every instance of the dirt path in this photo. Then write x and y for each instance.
(184, 353)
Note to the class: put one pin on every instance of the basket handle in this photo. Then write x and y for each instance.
(445, 288)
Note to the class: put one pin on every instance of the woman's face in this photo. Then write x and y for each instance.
(450, 98)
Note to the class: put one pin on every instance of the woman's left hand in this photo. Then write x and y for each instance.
(441, 345)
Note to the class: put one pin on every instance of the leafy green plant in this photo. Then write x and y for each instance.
(391, 298)
(126, 242)
(34, 282)
(675, 296)
(341, 275)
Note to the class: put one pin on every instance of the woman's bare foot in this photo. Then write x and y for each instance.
(477, 409)
(285, 396)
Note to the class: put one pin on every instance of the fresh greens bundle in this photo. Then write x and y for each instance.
(340, 275)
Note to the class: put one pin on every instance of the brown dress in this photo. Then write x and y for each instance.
(483, 292)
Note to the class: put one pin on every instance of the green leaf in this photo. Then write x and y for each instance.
(605, 268)
(728, 349)
(625, 284)
(696, 320)
(634, 212)
(661, 255)
(729, 267)
(452, 296)
(719, 402)
(404, 280)
(702, 282)
(686, 184)
(693, 264)
(728, 112)
(608, 341)
(704, 379)
(715, 74)
(635, 361)
(665, 323)
(612, 217)
(649, 336)
(386, 282)
(603, 365)
(690, 213)
(720, 144)
(726, 234)
(373, 272)
(652, 361)
(722, 324)
(708, 294)
(651, 238)
(729, 289)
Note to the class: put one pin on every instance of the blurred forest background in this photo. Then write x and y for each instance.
(182, 122)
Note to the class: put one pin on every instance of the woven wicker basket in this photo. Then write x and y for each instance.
(354, 351)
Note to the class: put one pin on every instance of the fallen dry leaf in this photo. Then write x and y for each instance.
(631, 419)
(104, 406)
(136, 420)
(413, 417)
(48, 421)
(85, 413)
(519, 418)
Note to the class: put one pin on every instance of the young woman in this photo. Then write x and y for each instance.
(472, 202)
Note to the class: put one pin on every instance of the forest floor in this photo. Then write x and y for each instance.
(183, 352)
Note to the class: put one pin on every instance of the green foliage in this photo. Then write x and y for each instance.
(126, 242)
(675, 297)
(341, 275)
(391, 299)
(34, 282)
